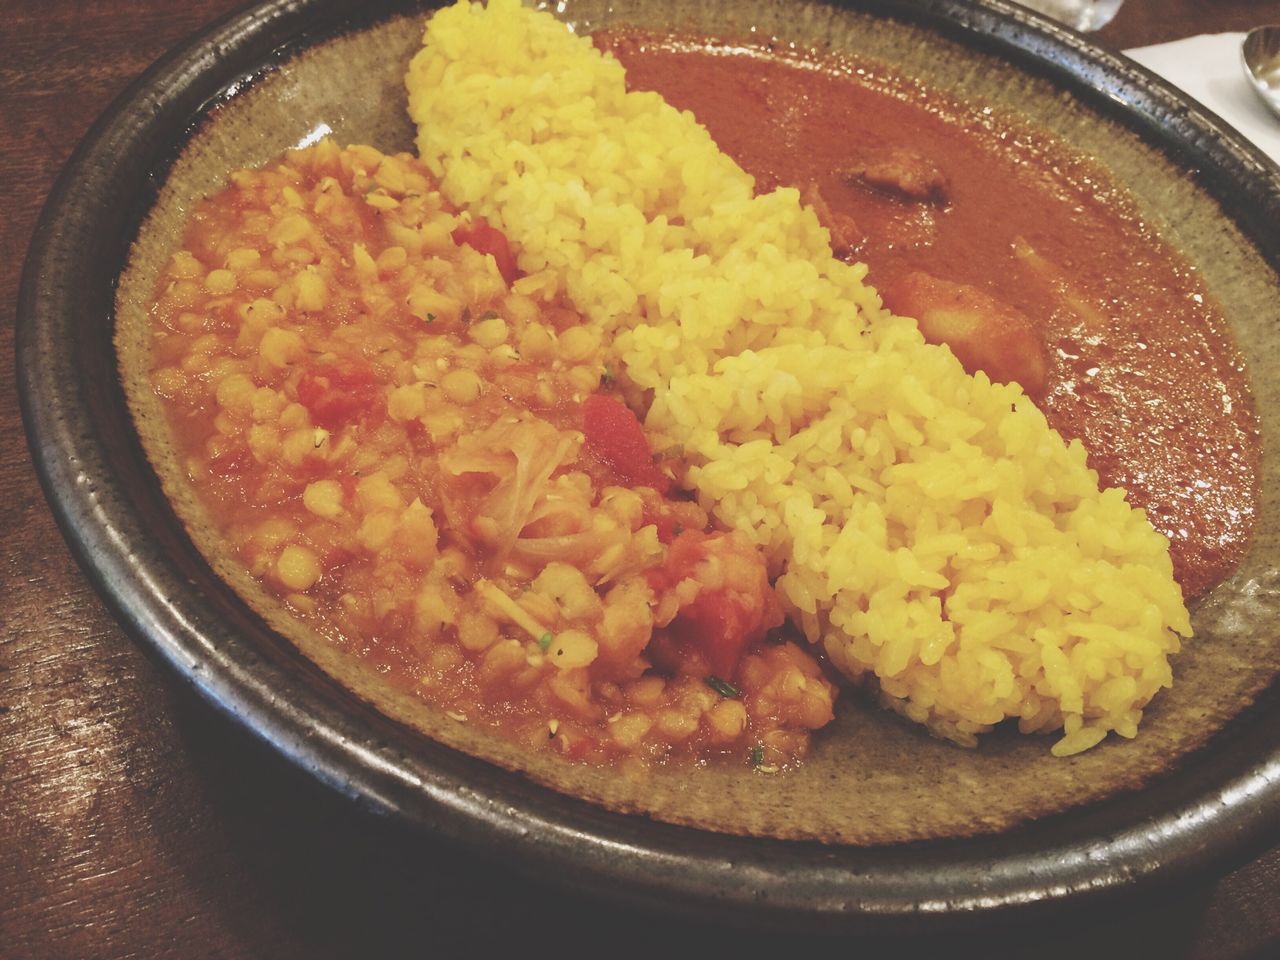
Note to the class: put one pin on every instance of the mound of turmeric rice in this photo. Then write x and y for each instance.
(925, 526)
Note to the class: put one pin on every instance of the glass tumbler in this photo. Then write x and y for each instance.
(1078, 14)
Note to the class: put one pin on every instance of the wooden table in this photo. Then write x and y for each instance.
(136, 823)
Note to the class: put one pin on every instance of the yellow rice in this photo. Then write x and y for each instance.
(926, 527)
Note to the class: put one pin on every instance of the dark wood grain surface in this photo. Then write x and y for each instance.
(136, 823)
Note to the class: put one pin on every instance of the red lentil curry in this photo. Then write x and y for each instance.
(425, 456)
(427, 460)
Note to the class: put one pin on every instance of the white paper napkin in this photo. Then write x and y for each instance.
(1208, 68)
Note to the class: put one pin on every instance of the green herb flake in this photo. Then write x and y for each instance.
(757, 756)
(429, 318)
(544, 641)
(677, 529)
(722, 687)
(489, 315)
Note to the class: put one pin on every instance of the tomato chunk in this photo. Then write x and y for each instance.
(614, 435)
(340, 393)
(486, 239)
(733, 605)
(718, 627)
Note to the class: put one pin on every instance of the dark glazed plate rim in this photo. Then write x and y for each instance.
(1219, 806)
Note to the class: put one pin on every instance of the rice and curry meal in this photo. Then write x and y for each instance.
(633, 436)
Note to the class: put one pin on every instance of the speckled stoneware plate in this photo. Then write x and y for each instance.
(882, 823)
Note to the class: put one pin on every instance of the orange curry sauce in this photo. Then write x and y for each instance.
(1139, 366)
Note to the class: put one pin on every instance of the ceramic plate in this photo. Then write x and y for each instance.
(881, 823)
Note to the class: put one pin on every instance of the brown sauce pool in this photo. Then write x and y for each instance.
(1140, 365)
